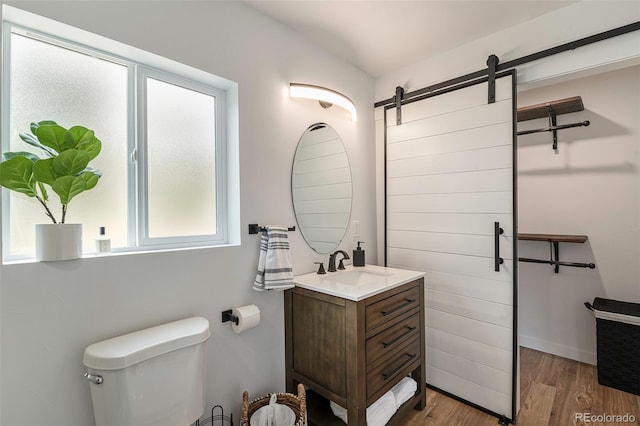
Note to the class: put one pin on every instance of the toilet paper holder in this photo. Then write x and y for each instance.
(228, 316)
(242, 318)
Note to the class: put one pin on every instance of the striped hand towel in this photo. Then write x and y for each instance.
(275, 271)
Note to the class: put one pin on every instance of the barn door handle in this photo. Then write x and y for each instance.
(497, 231)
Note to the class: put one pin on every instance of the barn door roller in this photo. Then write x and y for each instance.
(492, 64)
(398, 99)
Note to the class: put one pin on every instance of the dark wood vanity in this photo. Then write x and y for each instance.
(352, 352)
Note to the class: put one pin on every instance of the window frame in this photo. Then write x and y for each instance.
(143, 73)
(138, 69)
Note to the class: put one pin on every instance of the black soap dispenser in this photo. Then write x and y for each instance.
(358, 255)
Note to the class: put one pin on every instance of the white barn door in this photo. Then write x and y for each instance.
(450, 180)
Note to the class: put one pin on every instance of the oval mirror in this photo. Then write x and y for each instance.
(321, 187)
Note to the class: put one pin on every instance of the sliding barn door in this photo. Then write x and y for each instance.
(451, 212)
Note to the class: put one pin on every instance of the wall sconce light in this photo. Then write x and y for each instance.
(326, 97)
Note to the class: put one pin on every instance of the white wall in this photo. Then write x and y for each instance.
(591, 187)
(51, 312)
(578, 20)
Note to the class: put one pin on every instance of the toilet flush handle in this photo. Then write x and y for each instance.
(93, 378)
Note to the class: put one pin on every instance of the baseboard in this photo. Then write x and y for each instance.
(557, 349)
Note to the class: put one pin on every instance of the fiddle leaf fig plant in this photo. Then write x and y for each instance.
(64, 165)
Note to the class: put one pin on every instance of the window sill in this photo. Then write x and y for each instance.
(121, 253)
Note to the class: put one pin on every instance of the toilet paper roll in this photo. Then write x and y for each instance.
(248, 317)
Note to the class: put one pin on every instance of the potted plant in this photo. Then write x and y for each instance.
(64, 168)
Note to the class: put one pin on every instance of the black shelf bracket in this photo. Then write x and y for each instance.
(564, 107)
(552, 125)
(554, 259)
(554, 128)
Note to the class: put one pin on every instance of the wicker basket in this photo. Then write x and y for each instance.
(297, 403)
(618, 355)
(618, 348)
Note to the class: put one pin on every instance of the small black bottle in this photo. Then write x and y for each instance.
(358, 255)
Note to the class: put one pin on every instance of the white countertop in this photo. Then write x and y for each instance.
(357, 283)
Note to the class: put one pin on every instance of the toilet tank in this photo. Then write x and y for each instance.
(150, 377)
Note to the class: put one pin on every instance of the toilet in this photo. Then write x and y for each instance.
(151, 377)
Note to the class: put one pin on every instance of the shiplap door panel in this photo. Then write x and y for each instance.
(451, 183)
(477, 352)
(488, 377)
(450, 176)
(471, 329)
(481, 289)
(453, 102)
(470, 245)
(468, 390)
(463, 140)
(498, 314)
(453, 263)
(460, 223)
(469, 118)
(470, 202)
(453, 162)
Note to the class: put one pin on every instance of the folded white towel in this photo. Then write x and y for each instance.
(267, 412)
(275, 271)
(378, 413)
(273, 414)
(404, 390)
(339, 411)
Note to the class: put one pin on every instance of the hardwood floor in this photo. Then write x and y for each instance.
(552, 389)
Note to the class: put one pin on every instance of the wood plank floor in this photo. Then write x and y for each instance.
(552, 389)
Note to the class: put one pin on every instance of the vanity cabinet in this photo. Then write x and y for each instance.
(352, 352)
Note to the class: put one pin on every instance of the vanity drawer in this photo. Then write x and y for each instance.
(386, 374)
(382, 312)
(389, 340)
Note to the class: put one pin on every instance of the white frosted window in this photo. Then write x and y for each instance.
(53, 83)
(181, 158)
(163, 131)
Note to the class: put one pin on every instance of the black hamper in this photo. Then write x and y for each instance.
(618, 336)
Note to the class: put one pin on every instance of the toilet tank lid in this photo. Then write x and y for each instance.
(128, 349)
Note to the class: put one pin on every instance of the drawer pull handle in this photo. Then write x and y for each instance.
(397, 308)
(409, 330)
(400, 367)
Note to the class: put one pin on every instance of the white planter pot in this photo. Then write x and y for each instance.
(58, 241)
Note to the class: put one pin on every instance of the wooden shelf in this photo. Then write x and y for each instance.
(553, 237)
(554, 241)
(561, 106)
(319, 412)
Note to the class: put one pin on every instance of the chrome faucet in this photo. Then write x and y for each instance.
(332, 260)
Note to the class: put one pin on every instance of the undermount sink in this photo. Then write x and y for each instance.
(356, 283)
(355, 276)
